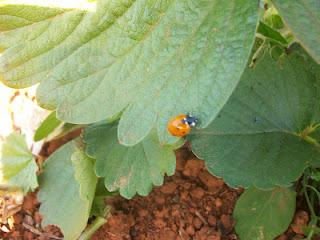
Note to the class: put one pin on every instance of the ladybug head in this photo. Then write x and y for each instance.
(190, 120)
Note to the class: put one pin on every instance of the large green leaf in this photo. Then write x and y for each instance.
(17, 164)
(261, 137)
(129, 169)
(67, 188)
(264, 214)
(303, 18)
(149, 59)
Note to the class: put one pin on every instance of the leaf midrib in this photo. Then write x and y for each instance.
(84, 14)
(164, 85)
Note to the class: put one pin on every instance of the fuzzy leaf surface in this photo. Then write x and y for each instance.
(303, 18)
(15, 15)
(264, 214)
(257, 130)
(17, 164)
(147, 59)
(130, 170)
(67, 188)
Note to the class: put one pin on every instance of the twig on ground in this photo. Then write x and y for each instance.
(36, 231)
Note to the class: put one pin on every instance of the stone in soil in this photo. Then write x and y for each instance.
(300, 220)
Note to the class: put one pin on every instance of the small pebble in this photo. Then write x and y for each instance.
(27, 236)
(193, 167)
(212, 220)
(197, 193)
(168, 188)
(160, 223)
(300, 220)
(228, 222)
(197, 223)
(143, 213)
(190, 230)
(214, 236)
(218, 202)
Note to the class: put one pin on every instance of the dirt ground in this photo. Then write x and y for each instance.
(192, 204)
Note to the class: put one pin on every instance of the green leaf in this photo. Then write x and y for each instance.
(129, 169)
(99, 207)
(47, 126)
(149, 59)
(271, 34)
(101, 190)
(303, 18)
(262, 128)
(14, 15)
(17, 164)
(312, 230)
(264, 214)
(67, 188)
(315, 175)
(272, 18)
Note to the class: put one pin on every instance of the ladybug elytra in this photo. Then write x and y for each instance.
(181, 125)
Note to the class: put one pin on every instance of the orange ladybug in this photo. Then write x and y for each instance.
(180, 125)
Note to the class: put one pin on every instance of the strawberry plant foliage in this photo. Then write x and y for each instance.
(303, 18)
(67, 188)
(47, 127)
(264, 128)
(264, 214)
(124, 68)
(17, 164)
(148, 59)
(18, 16)
(129, 169)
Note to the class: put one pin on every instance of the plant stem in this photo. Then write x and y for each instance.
(310, 202)
(305, 191)
(92, 228)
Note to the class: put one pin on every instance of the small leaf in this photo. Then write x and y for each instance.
(271, 34)
(129, 169)
(264, 214)
(17, 164)
(67, 188)
(47, 126)
(315, 175)
(303, 18)
(149, 59)
(272, 18)
(261, 129)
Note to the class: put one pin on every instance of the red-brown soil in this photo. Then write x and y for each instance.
(192, 204)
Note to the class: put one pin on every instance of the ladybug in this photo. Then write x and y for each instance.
(181, 125)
